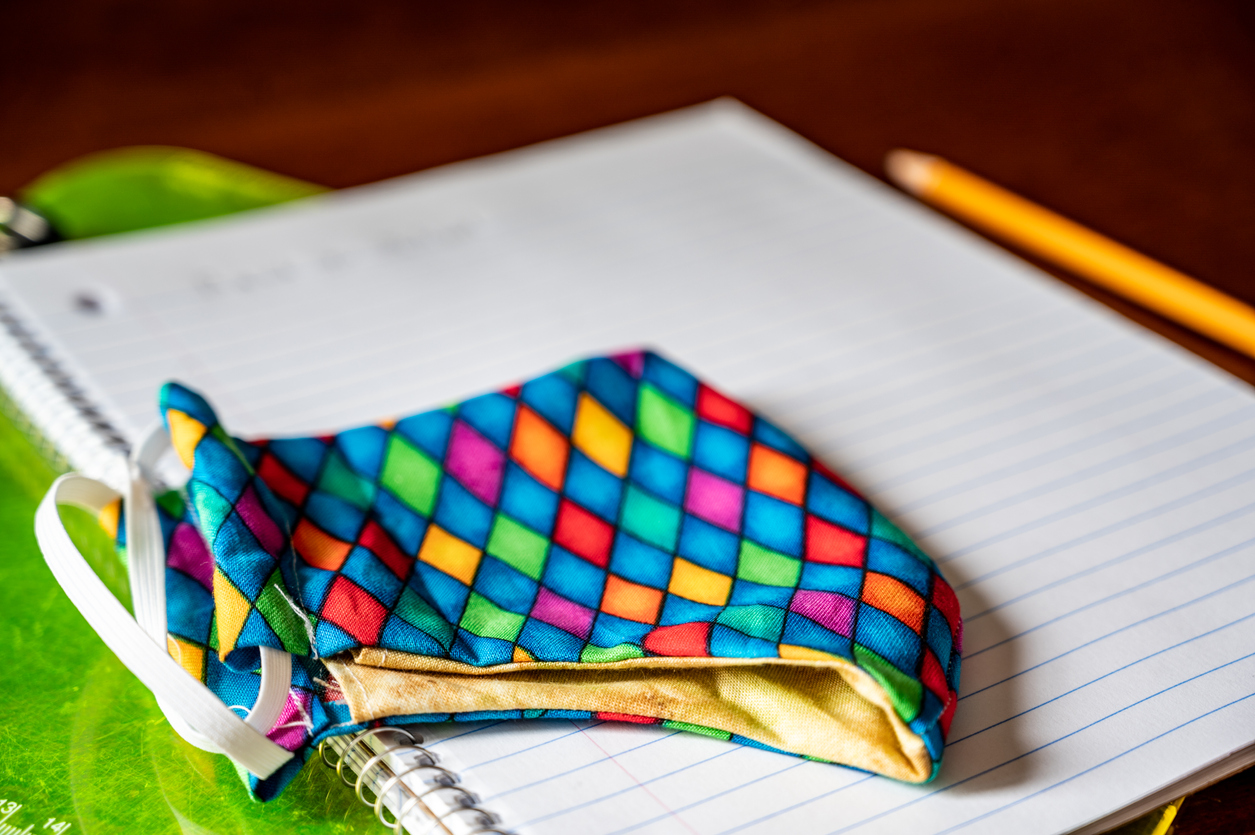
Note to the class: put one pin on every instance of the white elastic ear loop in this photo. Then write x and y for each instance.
(199, 710)
(145, 547)
(146, 563)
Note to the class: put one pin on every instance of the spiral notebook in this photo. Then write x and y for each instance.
(1086, 486)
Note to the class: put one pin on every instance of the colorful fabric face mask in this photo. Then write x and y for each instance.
(613, 540)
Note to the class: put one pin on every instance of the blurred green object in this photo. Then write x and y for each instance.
(152, 185)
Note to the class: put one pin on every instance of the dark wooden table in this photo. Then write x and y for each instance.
(1136, 117)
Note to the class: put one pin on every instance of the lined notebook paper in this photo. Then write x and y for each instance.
(1087, 488)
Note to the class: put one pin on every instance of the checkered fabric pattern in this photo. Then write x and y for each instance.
(617, 508)
(314, 705)
(315, 708)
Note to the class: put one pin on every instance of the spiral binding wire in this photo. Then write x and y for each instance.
(445, 806)
(55, 411)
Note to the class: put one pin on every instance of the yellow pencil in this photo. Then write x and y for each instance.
(1075, 248)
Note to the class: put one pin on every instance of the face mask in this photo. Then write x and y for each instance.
(614, 540)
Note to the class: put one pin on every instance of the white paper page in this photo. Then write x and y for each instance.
(1087, 488)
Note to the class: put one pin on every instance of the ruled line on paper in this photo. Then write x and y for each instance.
(1076, 391)
(445, 739)
(1108, 761)
(1091, 442)
(1170, 399)
(1116, 595)
(1151, 395)
(1034, 353)
(578, 768)
(482, 763)
(1092, 641)
(1199, 495)
(725, 792)
(1125, 490)
(1117, 670)
(877, 351)
(638, 785)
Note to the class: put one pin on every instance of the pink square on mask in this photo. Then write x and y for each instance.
(562, 613)
(476, 462)
(714, 499)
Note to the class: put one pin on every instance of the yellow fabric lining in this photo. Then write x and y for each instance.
(824, 708)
